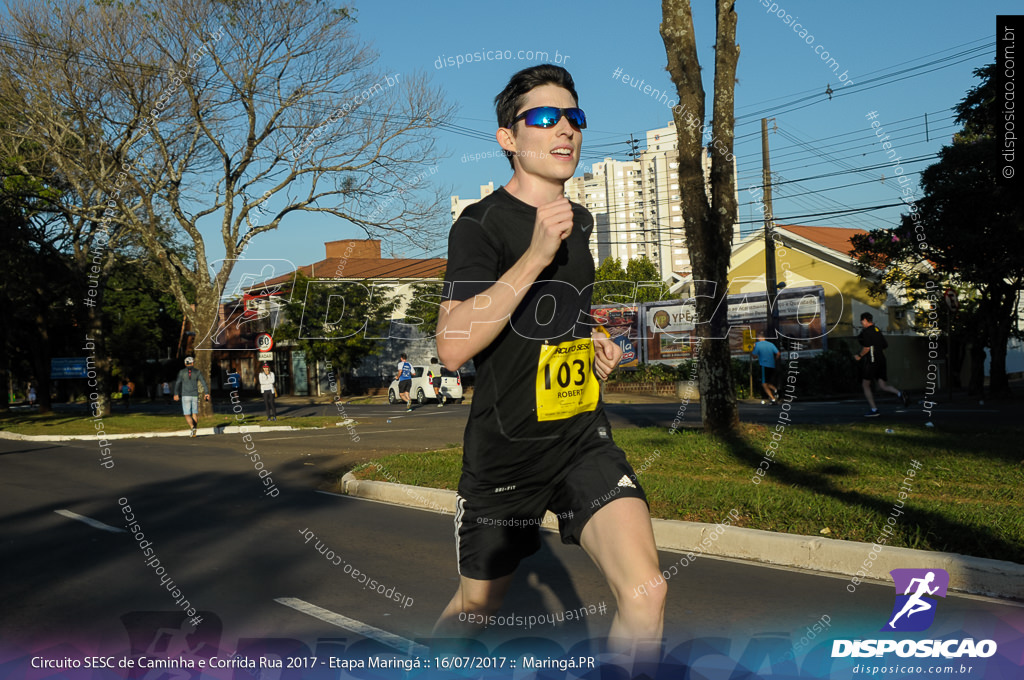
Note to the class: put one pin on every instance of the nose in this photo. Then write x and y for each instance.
(563, 126)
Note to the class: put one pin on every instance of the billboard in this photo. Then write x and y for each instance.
(670, 327)
(621, 323)
(68, 367)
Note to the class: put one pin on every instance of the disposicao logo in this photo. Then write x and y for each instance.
(914, 611)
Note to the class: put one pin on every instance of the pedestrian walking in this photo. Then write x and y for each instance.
(126, 395)
(186, 390)
(166, 387)
(767, 355)
(872, 363)
(269, 391)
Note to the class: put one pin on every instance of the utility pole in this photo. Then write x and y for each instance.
(769, 244)
(634, 154)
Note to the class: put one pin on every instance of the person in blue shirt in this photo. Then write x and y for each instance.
(767, 354)
(404, 379)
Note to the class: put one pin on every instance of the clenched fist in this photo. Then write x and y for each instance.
(553, 225)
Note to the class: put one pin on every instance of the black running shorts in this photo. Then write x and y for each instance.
(404, 386)
(494, 532)
(874, 370)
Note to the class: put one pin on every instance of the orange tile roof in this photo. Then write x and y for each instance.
(365, 268)
(834, 238)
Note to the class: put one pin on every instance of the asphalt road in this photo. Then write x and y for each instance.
(383, 428)
(73, 578)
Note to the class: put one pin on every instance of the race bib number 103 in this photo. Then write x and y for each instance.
(565, 380)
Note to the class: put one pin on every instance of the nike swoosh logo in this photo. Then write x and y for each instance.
(587, 227)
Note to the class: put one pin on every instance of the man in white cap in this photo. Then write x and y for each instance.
(186, 390)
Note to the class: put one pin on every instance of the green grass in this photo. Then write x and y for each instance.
(127, 423)
(967, 497)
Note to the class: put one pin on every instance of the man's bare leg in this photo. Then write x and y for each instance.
(473, 597)
(620, 540)
(867, 393)
(886, 387)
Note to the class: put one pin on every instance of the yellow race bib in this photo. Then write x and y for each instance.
(566, 384)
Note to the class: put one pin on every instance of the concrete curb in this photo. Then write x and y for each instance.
(227, 429)
(974, 575)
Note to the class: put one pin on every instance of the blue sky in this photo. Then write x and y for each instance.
(935, 45)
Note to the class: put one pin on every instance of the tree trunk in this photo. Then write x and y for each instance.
(40, 352)
(708, 225)
(1004, 304)
(976, 387)
(204, 318)
(98, 394)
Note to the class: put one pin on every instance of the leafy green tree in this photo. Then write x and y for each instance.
(341, 322)
(423, 310)
(964, 232)
(190, 117)
(38, 282)
(638, 282)
(650, 287)
(140, 316)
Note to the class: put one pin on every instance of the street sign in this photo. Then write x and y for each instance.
(950, 298)
(265, 356)
(749, 339)
(264, 342)
(68, 367)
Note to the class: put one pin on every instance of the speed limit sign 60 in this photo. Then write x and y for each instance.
(264, 342)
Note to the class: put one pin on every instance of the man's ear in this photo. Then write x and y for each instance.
(506, 139)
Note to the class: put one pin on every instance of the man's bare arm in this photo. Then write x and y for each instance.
(466, 327)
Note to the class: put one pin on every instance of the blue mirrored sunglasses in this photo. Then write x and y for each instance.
(548, 116)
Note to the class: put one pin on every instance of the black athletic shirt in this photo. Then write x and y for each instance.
(872, 337)
(505, 442)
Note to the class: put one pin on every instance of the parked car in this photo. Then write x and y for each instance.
(422, 389)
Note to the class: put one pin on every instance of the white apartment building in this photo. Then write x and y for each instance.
(637, 205)
(460, 204)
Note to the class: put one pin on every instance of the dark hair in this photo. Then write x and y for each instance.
(433, 360)
(511, 98)
(402, 356)
(867, 315)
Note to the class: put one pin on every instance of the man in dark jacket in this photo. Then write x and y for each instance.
(186, 390)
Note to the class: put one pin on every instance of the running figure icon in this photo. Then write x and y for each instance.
(915, 604)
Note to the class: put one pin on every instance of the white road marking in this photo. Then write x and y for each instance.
(94, 523)
(398, 642)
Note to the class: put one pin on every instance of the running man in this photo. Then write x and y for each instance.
(767, 354)
(404, 379)
(915, 604)
(517, 292)
(435, 380)
(873, 366)
(186, 389)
